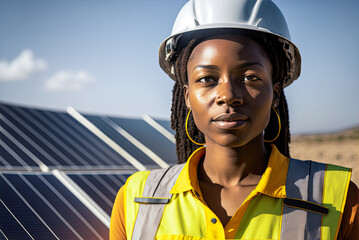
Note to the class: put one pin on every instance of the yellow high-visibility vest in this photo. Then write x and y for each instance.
(293, 200)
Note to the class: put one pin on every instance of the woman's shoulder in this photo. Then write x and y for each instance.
(352, 201)
(139, 175)
(137, 178)
(349, 228)
(170, 171)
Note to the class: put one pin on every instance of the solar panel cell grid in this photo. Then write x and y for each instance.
(120, 140)
(98, 183)
(65, 216)
(75, 156)
(44, 208)
(91, 150)
(78, 206)
(59, 142)
(65, 207)
(149, 137)
(108, 153)
(13, 151)
(19, 215)
(122, 177)
(3, 163)
(9, 226)
(72, 146)
(112, 181)
(38, 140)
(99, 195)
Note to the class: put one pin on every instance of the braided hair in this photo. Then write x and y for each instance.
(184, 146)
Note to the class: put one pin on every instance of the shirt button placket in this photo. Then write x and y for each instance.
(215, 229)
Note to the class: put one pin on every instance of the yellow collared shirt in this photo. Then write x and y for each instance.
(272, 184)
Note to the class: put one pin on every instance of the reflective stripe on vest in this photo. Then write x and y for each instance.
(316, 183)
(154, 197)
(305, 182)
(308, 212)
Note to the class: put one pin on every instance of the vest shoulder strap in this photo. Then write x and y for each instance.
(156, 194)
(308, 203)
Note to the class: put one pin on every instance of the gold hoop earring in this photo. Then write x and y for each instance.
(201, 144)
(279, 124)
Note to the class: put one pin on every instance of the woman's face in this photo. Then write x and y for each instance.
(230, 89)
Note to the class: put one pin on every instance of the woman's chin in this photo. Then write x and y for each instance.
(230, 141)
(234, 140)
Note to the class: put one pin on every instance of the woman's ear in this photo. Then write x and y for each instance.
(186, 96)
(277, 90)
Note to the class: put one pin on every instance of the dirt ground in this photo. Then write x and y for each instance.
(339, 149)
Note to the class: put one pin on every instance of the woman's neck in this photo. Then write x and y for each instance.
(229, 167)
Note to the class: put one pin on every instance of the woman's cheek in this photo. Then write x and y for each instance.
(199, 98)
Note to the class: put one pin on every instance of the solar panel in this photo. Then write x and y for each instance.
(35, 138)
(147, 135)
(166, 124)
(11, 152)
(102, 188)
(54, 139)
(45, 209)
(122, 141)
(10, 226)
(59, 175)
(98, 149)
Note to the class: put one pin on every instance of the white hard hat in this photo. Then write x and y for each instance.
(201, 16)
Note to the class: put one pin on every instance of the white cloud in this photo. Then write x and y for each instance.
(68, 80)
(22, 67)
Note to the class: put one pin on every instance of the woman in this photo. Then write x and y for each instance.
(230, 61)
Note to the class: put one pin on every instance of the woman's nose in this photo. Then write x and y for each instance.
(229, 94)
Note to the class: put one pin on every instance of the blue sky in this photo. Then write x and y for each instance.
(102, 57)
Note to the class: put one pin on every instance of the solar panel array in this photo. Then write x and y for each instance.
(60, 171)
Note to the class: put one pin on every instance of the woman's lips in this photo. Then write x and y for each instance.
(230, 120)
(229, 125)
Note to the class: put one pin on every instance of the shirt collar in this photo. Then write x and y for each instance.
(187, 179)
(272, 182)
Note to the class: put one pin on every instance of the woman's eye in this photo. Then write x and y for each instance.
(206, 80)
(251, 78)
